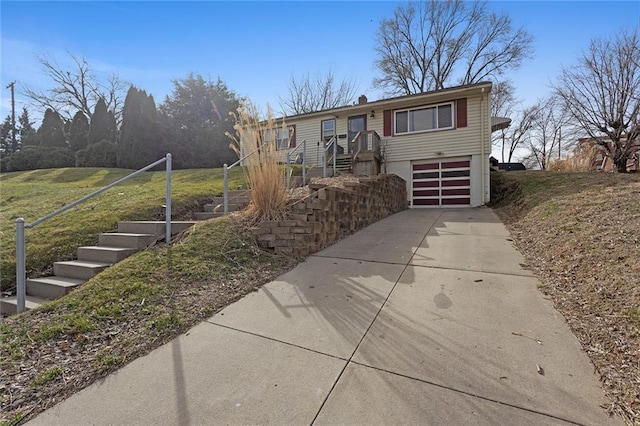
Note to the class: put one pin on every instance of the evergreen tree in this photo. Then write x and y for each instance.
(51, 132)
(28, 135)
(140, 141)
(78, 132)
(5, 137)
(196, 118)
(103, 124)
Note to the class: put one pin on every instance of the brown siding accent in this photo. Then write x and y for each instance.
(461, 112)
(386, 129)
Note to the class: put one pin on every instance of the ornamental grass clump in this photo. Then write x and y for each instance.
(255, 141)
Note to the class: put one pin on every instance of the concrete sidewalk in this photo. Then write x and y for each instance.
(426, 317)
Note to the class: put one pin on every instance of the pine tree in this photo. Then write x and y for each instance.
(51, 131)
(196, 116)
(28, 135)
(5, 137)
(103, 124)
(78, 132)
(140, 141)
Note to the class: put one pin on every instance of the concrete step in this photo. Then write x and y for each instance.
(51, 287)
(79, 269)
(9, 305)
(208, 215)
(233, 207)
(234, 200)
(104, 254)
(126, 240)
(153, 227)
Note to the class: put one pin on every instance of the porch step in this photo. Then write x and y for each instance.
(9, 305)
(126, 240)
(104, 254)
(79, 269)
(51, 287)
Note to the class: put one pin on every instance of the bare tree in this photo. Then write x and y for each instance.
(76, 88)
(551, 130)
(307, 94)
(430, 45)
(517, 134)
(602, 93)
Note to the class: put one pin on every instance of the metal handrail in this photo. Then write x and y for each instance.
(332, 143)
(21, 273)
(226, 168)
(304, 161)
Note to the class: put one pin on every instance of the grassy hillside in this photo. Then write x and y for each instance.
(128, 310)
(34, 194)
(580, 232)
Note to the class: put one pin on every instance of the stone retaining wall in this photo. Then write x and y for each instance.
(331, 213)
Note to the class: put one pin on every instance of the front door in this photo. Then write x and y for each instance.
(357, 123)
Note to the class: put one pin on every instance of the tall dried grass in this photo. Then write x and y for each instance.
(269, 195)
(581, 160)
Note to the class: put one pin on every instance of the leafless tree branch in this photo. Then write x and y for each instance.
(310, 94)
(602, 93)
(433, 44)
(76, 88)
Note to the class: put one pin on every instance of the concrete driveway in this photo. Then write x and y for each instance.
(426, 317)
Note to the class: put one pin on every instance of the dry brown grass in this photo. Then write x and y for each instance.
(580, 161)
(269, 195)
(580, 232)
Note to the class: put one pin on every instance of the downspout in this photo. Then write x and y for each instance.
(482, 147)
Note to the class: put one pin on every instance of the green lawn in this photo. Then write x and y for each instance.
(36, 193)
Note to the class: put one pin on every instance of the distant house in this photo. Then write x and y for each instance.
(438, 142)
(599, 157)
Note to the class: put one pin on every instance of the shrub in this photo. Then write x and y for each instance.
(32, 158)
(100, 154)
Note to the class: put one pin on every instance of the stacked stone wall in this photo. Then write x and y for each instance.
(331, 213)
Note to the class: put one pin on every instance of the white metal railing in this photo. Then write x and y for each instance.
(21, 274)
(303, 162)
(332, 145)
(226, 168)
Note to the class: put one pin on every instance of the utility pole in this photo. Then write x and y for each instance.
(14, 143)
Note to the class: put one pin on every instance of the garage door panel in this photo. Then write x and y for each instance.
(465, 191)
(431, 166)
(426, 202)
(429, 175)
(441, 182)
(426, 184)
(427, 193)
(457, 182)
(456, 173)
(456, 201)
(456, 164)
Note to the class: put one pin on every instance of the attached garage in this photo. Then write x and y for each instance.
(441, 183)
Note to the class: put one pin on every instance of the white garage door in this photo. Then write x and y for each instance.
(439, 183)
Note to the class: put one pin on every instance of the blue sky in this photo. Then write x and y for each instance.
(255, 47)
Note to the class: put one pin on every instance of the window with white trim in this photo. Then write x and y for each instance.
(283, 137)
(328, 129)
(437, 117)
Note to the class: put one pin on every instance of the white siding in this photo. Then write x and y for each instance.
(447, 143)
